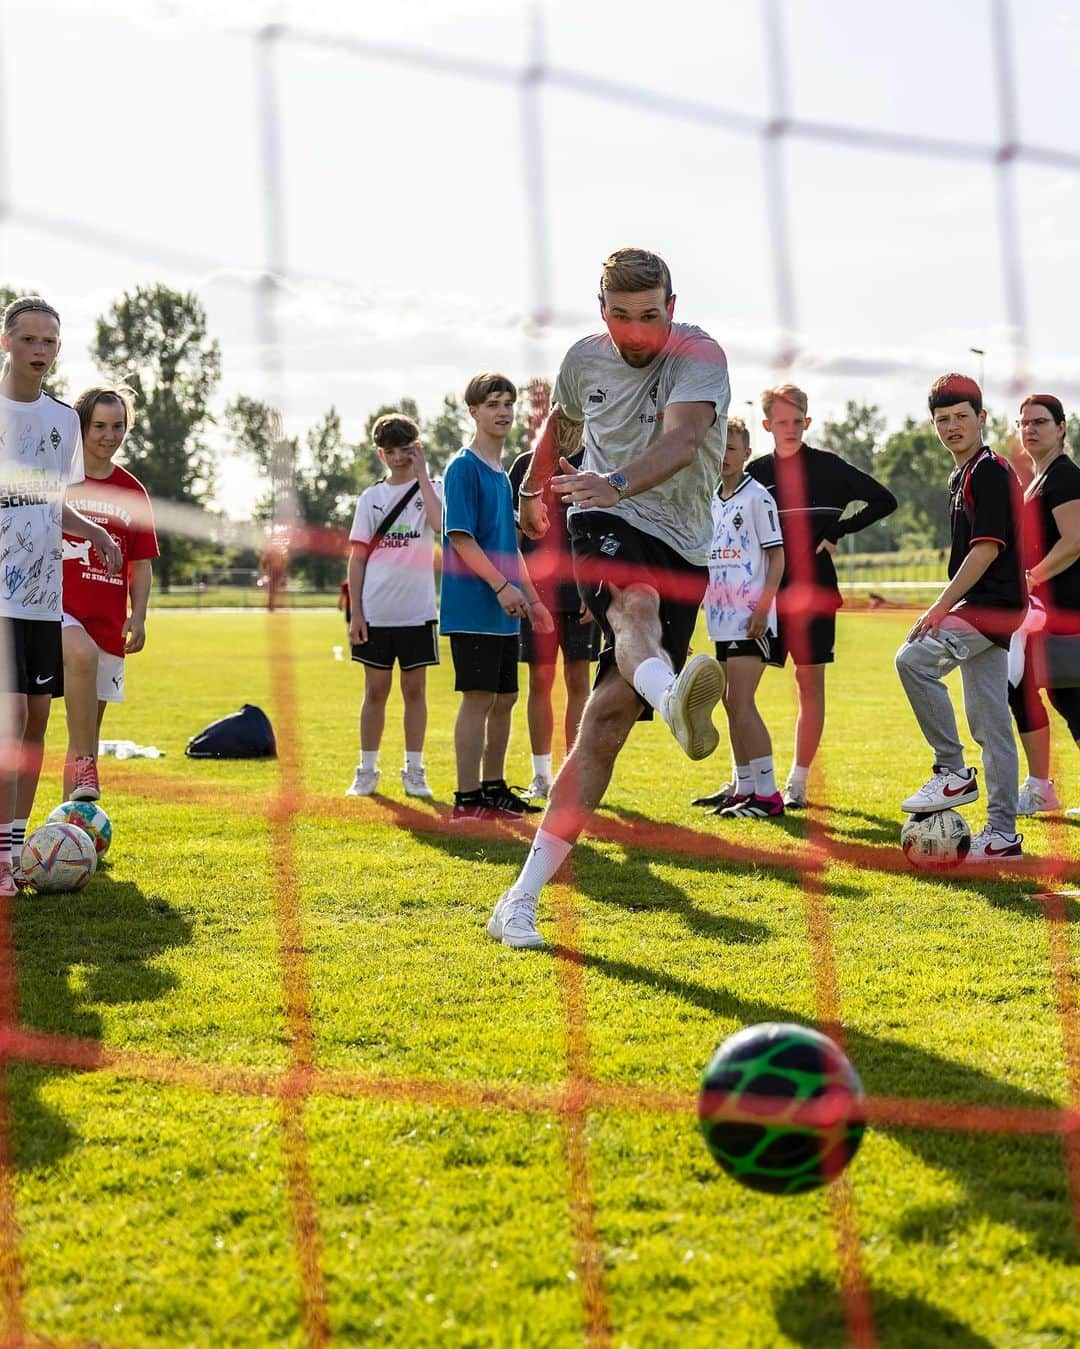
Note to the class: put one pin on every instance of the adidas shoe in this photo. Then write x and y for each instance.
(513, 921)
(945, 790)
(87, 787)
(1034, 799)
(726, 796)
(365, 782)
(539, 789)
(415, 782)
(990, 846)
(754, 808)
(689, 703)
(507, 800)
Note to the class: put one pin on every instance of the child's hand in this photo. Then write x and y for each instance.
(416, 458)
(532, 517)
(513, 601)
(541, 619)
(358, 629)
(758, 623)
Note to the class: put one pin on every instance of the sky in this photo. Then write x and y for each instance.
(429, 200)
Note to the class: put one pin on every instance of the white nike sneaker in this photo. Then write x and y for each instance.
(415, 782)
(539, 789)
(1034, 799)
(365, 782)
(513, 921)
(795, 796)
(944, 791)
(990, 846)
(689, 703)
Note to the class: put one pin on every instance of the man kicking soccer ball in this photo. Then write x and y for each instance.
(653, 396)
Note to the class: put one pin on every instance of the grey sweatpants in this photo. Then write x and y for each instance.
(984, 672)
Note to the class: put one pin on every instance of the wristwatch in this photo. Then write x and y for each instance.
(621, 483)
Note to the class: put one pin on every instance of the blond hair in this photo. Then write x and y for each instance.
(634, 269)
(788, 393)
(740, 427)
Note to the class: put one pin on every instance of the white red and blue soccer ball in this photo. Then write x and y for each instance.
(86, 815)
(935, 841)
(58, 857)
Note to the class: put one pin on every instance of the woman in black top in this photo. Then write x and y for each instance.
(1051, 549)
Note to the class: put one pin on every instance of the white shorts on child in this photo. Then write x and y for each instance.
(110, 669)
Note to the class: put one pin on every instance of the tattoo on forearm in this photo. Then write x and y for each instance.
(567, 434)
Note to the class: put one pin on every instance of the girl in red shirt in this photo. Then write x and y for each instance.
(104, 615)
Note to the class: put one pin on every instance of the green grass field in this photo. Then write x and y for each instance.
(307, 1100)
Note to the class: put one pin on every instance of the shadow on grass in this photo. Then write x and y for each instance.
(1015, 1180)
(791, 825)
(76, 951)
(811, 1313)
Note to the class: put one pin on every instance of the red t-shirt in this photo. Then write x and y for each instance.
(100, 601)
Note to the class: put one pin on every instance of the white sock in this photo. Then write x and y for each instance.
(546, 856)
(744, 779)
(5, 843)
(369, 760)
(414, 758)
(18, 836)
(542, 766)
(1043, 784)
(652, 679)
(764, 775)
(798, 775)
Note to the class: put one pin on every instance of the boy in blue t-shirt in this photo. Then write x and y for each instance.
(486, 591)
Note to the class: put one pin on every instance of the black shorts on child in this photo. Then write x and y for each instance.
(411, 647)
(31, 657)
(762, 647)
(484, 662)
(576, 640)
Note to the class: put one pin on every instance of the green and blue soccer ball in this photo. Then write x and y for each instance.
(88, 816)
(780, 1108)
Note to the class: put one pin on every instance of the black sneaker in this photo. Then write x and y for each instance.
(754, 808)
(507, 800)
(470, 806)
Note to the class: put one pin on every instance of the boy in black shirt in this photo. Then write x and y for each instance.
(812, 489)
(969, 625)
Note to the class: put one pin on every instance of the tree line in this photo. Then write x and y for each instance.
(155, 340)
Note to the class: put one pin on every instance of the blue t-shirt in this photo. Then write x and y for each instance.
(477, 500)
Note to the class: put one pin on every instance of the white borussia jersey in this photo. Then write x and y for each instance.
(745, 527)
(399, 581)
(40, 456)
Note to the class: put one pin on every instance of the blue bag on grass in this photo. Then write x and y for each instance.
(246, 734)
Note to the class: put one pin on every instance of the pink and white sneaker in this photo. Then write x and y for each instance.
(990, 846)
(945, 790)
(86, 786)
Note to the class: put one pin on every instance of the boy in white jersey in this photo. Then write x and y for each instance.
(746, 562)
(392, 598)
(40, 455)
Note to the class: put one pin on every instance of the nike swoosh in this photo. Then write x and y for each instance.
(991, 851)
(47, 680)
(948, 791)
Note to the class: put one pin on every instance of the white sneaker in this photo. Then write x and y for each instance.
(365, 782)
(689, 703)
(513, 921)
(1034, 799)
(8, 888)
(945, 791)
(415, 782)
(795, 796)
(990, 846)
(539, 789)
